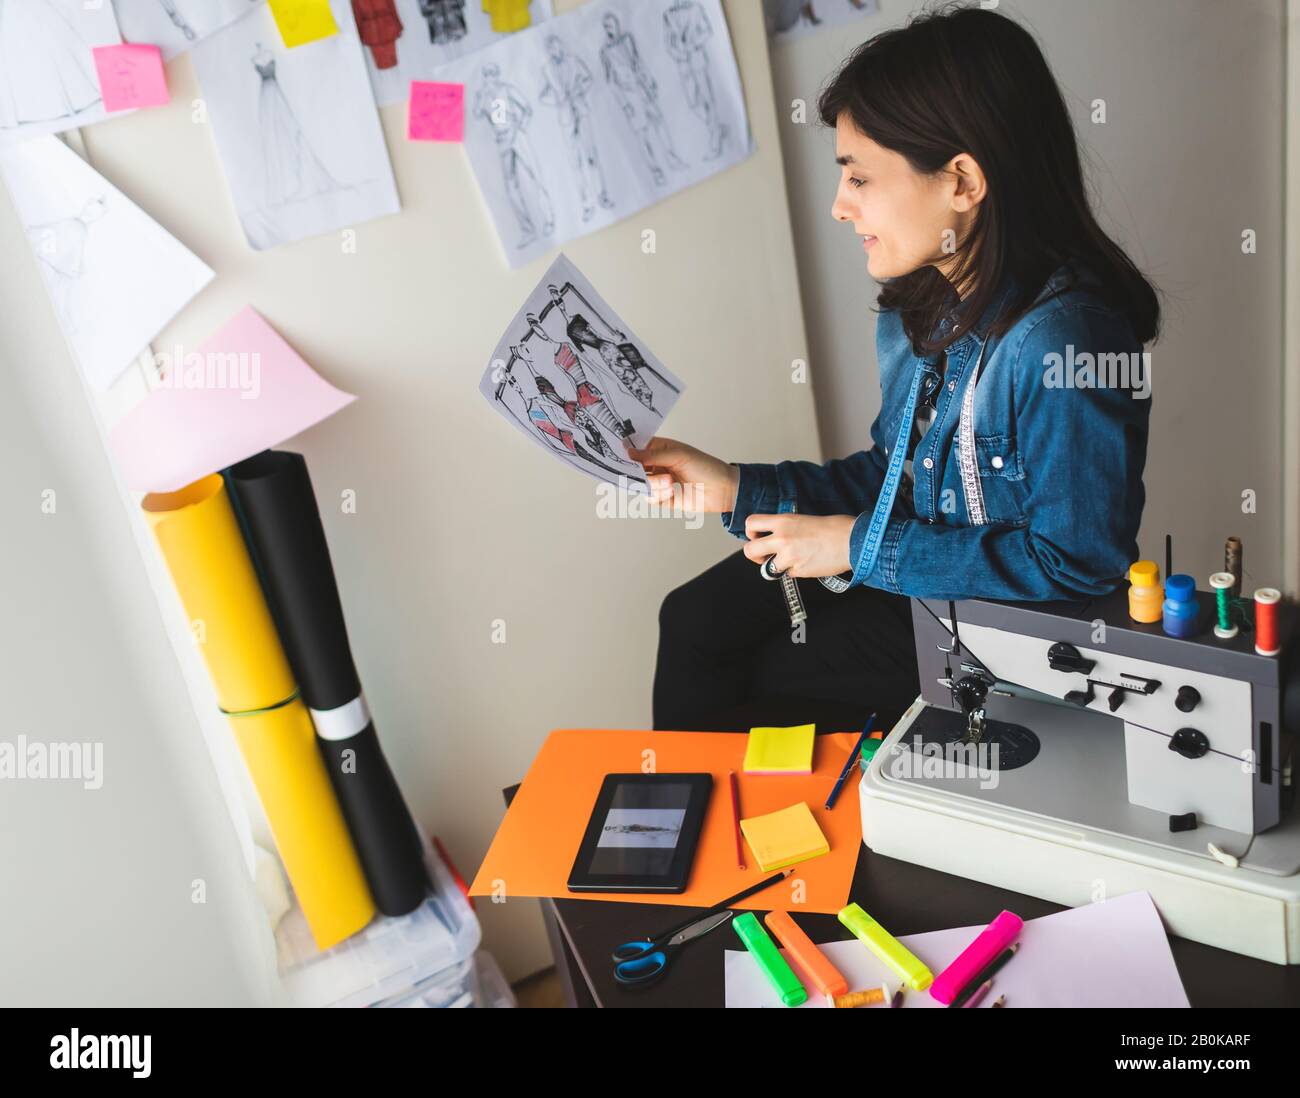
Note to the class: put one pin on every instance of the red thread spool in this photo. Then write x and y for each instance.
(1266, 627)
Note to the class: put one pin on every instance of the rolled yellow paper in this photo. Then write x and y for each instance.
(205, 552)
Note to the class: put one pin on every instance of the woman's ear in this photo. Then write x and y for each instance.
(971, 187)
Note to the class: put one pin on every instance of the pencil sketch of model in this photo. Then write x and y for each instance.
(61, 248)
(687, 33)
(293, 170)
(178, 19)
(504, 107)
(568, 81)
(46, 71)
(638, 94)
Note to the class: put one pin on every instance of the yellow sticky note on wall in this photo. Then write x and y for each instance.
(303, 21)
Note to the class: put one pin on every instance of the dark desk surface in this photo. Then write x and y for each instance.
(906, 898)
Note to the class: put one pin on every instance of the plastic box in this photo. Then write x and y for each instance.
(477, 982)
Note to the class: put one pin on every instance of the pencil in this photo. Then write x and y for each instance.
(853, 761)
(735, 819)
(987, 973)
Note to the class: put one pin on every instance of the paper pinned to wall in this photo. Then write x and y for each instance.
(131, 76)
(48, 81)
(303, 21)
(174, 26)
(115, 276)
(577, 124)
(788, 20)
(409, 39)
(572, 377)
(243, 391)
(1111, 954)
(297, 129)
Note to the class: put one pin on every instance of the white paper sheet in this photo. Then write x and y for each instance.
(583, 121)
(175, 26)
(791, 19)
(48, 81)
(570, 375)
(116, 277)
(452, 29)
(1112, 954)
(297, 129)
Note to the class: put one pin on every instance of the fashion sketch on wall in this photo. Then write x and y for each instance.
(409, 39)
(48, 81)
(297, 129)
(569, 376)
(582, 122)
(174, 26)
(790, 19)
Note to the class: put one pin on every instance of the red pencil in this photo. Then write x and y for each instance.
(735, 815)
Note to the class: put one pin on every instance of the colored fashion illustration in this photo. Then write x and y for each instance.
(47, 70)
(591, 397)
(379, 27)
(638, 94)
(61, 248)
(293, 170)
(568, 81)
(504, 107)
(687, 34)
(446, 19)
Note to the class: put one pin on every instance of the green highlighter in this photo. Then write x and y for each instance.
(764, 951)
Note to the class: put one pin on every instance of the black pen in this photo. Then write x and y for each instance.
(991, 969)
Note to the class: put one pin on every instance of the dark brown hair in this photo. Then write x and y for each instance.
(964, 80)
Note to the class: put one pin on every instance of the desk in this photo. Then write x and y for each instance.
(905, 898)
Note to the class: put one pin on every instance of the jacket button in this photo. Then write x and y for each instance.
(998, 462)
(928, 463)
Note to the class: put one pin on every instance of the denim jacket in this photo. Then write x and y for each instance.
(1054, 449)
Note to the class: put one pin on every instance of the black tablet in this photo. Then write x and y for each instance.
(642, 833)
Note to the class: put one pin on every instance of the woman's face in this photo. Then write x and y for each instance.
(907, 220)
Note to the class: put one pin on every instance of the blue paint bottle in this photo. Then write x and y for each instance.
(1181, 610)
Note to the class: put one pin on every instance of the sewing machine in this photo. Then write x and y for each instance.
(1073, 754)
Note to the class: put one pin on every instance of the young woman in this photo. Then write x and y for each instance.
(1007, 458)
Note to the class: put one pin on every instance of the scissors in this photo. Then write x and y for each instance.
(637, 964)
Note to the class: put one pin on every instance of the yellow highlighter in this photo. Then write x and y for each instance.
(888, 948)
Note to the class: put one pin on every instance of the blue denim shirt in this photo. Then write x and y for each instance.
(1060, 459)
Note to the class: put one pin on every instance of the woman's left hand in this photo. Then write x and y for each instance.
(805, 546)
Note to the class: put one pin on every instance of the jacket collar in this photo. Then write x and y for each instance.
(1065, 277)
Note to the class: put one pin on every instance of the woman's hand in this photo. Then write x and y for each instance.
(805, 546)
(708, 485)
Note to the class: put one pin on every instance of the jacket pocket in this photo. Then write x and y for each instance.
(1002, 479)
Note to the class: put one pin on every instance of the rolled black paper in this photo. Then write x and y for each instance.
(281, 522)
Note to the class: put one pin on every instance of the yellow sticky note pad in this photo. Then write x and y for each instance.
(783, 838)
(303, 21)
(780, 750)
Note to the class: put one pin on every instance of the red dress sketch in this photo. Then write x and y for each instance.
(380, 27)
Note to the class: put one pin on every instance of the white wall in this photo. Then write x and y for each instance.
(459, 523)
(1192, 155)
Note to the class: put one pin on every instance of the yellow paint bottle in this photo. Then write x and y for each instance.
(1146, 594)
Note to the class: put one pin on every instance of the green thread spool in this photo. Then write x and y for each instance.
(1223, 582)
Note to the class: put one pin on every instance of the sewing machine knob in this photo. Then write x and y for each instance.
(1189, 743)
(1065, 657)
(1188, 699)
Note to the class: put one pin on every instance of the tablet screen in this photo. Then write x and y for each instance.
(641, 830)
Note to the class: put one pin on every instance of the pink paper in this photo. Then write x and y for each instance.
(131, 76)
(437, 112)
(243, 391)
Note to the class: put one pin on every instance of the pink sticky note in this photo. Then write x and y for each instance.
(131, 76)
(243, 391)
(437, 112)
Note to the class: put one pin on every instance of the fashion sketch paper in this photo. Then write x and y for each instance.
(115, 276)
(175, 26)
(583, 121)
(791, 19)
(47, 71)
(297, 128)
(572, 377)
(409, 39)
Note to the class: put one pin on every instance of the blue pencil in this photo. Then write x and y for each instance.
(853, 760)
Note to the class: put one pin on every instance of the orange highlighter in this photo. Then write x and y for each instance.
(811, 961)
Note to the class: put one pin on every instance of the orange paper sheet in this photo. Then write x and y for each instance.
(534, 848)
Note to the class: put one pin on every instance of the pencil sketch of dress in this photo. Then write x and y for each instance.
(446, 19)
(638, 94)
(567, 83)
(293, 170)
(687, 33)
(61, 248)
(503, 106)
(178, 19)
(47, 70)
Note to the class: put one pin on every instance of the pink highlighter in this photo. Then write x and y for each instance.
(995, 937)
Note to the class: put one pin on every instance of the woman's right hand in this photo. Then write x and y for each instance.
(707, 485)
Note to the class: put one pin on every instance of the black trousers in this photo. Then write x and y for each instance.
(728, 660)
